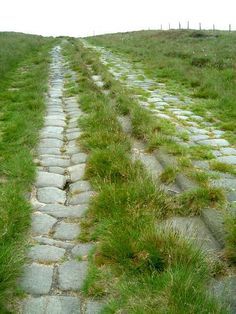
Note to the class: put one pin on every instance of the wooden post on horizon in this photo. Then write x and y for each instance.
(179, 25)
(169, 26)
(200, 26)
(188, 25)
(213, 28)
(229, 27)
(161, 27)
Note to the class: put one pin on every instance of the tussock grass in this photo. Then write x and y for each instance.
(23, 58)
(141, 268)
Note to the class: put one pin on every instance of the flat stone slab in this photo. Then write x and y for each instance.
(53, 129)
(58, 136)
(49, 151)
(54, 122)
(42, 223)
(193, 228)
(79, 158)
(52, 305)
(197, 130)
(80, 186)
(50, 195)
(37, 279)
(57, 170)
(230, 160)
(45, 179)
(49, 241)
(94, 307)
(46, 253)
(48, 161)
(82, 249)
(76, 172)
(226, 183)
(199, 137)
(61, 211)
(73, 135)
(51, 142)
(66, 231)
(72, 275)
(81, 198)
(214, 142)
(228, 151)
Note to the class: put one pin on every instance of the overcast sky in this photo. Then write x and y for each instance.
(87, 17)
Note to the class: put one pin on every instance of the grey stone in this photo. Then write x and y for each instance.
(51, 195)
(218, 132)
(46, 253)
(163, 116)
(49, 161)
(215, 142)
(61, 211)
(45, 135)
(54, 122)
(181, 117)
(199, 137)
(224, 289)
(73, 136)
(49, 241)
(94, 307)
(226, 183)
(42, 223)
(194, 229)
(76, 172)
(52, 305)
(216, 153)
(228, 151)
(57, 170)
(37, 279)
(45, 179)
(80, 186)
(197, 130)
(73, 149)
(79, 158)
(49, 151)
(230, 160)
(50, 142)
(66, 231)
(198, 118)
(81, 198)
(201, 164)
(72, 275)
(231, 196)
(82, 249)
(53, 129)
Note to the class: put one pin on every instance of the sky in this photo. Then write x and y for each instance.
(90, 17)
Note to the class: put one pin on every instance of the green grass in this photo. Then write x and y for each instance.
(23, 83)
(137, 265)
(200, 64)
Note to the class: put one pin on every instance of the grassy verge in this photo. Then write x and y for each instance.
(200, 64)
(21, 115)
(137, 265)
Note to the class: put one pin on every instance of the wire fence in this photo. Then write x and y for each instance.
(199, 27)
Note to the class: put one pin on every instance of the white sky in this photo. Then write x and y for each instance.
(87, 17)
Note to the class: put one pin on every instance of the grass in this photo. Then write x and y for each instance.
(197, 63)
(23, 58)
(137, 265)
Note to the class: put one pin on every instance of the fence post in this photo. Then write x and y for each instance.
(169, 26)
(188, 25)
(179, 25)
(213, 27)
(229, 27)
(200, 26)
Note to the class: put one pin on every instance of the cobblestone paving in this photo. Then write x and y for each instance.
(167, 106)
(57, 262)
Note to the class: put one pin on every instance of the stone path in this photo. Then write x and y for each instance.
(164, 105)
(57, 263)
(206, 231)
